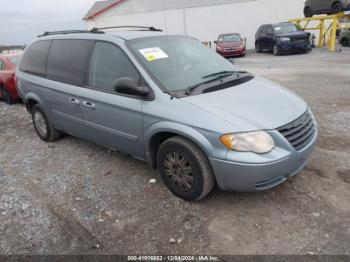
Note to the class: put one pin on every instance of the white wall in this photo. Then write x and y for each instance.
(207, 22)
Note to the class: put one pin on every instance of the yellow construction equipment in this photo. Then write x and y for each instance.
(327, 25)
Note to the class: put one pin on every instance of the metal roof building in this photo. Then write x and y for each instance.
(202, 19)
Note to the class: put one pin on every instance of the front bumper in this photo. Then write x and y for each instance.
(253, 177)
(234, 53)
(290, 47)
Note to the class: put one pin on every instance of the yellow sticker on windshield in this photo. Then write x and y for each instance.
(153, 53)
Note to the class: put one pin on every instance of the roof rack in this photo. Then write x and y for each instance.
(93, 31)
(146, 28)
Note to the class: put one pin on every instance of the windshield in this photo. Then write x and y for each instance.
(285, 28)
(14, 59)
(230, 38)
(178, 62)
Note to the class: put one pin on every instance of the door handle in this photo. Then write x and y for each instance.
(74, 101)
(89, 105)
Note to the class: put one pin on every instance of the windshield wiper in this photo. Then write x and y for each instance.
(225, 73)
(219, 75)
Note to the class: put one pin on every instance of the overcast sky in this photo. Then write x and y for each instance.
(23, 20)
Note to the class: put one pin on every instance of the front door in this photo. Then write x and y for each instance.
(112, 120)
(269, 42)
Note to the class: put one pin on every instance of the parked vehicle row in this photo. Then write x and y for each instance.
(170, 101)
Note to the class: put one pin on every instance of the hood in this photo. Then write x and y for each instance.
(255, 105)
(299, 33)
(230, 44)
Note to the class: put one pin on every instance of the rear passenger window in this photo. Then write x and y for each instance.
(67, 61)
(35, 58)
(108, 63)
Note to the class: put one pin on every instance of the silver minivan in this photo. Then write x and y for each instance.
(170, 101)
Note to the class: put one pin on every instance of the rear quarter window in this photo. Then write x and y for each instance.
(34, 59)
(67, 61)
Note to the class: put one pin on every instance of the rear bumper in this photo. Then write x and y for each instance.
(243, 177)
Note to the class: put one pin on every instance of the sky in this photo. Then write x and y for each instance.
(23, 20)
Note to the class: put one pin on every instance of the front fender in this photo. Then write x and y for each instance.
(186, 131)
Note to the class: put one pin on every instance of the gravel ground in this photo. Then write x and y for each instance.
(73, 197)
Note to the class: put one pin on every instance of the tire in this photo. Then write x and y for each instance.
(43, 126)
(344, 42)
(258, 47)
(308, 12)
(276, 50)
(337, 8)
(185, 169)
(6, 96)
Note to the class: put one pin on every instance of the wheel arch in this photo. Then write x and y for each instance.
(32, 99)
(161, 132)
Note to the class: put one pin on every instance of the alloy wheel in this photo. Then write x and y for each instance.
(40, 123)
(179, 171)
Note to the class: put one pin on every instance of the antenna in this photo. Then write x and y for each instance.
(165, 18)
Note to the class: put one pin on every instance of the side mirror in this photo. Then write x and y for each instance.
(128, 86)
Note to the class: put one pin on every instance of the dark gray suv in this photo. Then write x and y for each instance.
(170, 101)
(316, 7)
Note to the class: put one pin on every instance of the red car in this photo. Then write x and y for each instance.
(230, 45)
(8, 88)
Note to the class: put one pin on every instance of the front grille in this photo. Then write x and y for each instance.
(300, 39)
(300, 132)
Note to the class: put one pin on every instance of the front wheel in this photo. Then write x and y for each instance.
(258, 47)
(276, 50)
(43, 126)
(337, 8)
(344, 42)
(185, 169)
(308, 12)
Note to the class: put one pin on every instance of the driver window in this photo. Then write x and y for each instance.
(108, 63)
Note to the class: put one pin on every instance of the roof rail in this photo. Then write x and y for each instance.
(93, 31)
(146, 28)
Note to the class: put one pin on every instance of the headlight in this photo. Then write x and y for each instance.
(284, 39)
(257, 142)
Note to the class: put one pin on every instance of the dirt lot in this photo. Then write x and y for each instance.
(73, 197)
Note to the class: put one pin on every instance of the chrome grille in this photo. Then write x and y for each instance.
(300, 132)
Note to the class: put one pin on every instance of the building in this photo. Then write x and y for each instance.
(202, 19)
